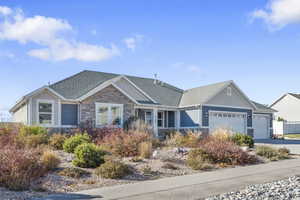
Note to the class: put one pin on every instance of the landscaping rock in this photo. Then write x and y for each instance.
(288, 189)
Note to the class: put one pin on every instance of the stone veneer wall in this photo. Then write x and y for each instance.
(107, 95)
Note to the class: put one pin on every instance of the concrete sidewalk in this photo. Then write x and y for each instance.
(197, 186)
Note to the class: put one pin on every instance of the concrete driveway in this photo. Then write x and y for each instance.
(190, 187)
(293, 145)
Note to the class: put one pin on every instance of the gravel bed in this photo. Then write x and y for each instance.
(287, 189)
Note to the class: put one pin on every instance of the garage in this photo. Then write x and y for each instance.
(261, 126)
(234, 121)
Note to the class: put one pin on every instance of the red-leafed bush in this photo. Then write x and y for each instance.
(19, 167)
(124, 144)
(225, 151)
(99, 134)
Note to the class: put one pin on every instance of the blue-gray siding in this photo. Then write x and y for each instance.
(69, 114)
(189, 118)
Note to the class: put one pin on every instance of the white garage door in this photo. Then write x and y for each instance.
(260, 126)
(233, 121)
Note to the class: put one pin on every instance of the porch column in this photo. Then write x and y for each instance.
(155, 128)
(177, 122)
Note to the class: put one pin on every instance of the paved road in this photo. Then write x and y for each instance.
(190, 187)
(293, 145)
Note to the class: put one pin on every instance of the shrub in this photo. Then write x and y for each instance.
(73, 172)
(112, 170)
(180, 140)
(145, 149)
(198, 159)
(32, 136)
(56, 141)
(71, 143)
(222, 134)
(242, 140)
(284, 150)
(19, 167)
(88, 155)
(272, 153)
(50, 160)
(169, 166)
(224, 151)
(32, 130)
(125, 144)
(33, 141)
(267, 152)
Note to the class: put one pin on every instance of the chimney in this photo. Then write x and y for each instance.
(155, 79)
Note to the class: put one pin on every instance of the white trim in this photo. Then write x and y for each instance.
(162, 119)
(152, 117)
(59, 112)
(139, 89)
(221, 106)
(29, 111)
(108, 105)
(52, 102)
(170, 108)
(190, 127)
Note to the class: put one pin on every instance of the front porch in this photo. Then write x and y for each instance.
(160, 120)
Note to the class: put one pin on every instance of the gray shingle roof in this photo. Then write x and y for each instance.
(162, 93)
(263, 108)
(81, 83)
(201, 94)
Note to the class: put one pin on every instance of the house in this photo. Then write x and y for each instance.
(111, 99)
(288, 107)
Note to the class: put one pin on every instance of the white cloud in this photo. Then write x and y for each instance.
(187, 67)
(50, 34)
(131, 42)
(5, 10)
(279, 13)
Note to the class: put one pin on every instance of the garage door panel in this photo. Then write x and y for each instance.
(233, 121)
(261, 126)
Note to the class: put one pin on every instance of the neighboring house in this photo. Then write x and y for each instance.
(110, 99)
(288, 107)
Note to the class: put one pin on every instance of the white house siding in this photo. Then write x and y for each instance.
(20, 116)
(288, 108)
(235, 100)
(45, 95)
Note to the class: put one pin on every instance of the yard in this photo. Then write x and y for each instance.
(32, 163)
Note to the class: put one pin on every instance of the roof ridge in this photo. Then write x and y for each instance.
(70, 77)
(212, 84)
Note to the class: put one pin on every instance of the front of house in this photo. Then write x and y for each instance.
(104, 99)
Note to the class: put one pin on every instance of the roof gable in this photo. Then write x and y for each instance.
(236, 99)
(81, 83)
(201, 95)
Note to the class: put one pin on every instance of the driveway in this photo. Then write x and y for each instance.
(293, 145)
(190, 187)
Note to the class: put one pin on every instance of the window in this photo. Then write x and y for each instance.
(229, 91)
(160, 119)
(109, 114)
(45, 112)
(148, 117)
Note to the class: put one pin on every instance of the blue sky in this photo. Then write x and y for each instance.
(187, 43)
